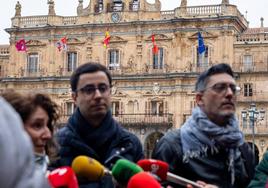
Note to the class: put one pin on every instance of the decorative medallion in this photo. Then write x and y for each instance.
(156, 88)
(115, 17)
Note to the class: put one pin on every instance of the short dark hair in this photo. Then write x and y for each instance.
(202, 80)
(88, 68)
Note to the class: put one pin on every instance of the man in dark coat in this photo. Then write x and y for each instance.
(91, 130)
(209, 146)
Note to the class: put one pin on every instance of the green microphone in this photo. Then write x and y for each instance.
(123, 170)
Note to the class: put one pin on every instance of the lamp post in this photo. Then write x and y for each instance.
(253, 114)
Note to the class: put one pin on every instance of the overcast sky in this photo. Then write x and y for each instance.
(255, 10)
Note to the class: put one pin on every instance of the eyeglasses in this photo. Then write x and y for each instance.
(91, 89)
(222, 88)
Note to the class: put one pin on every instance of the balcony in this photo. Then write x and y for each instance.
(145, 120)
(135, 120)
(4, 50)
(261, 96)
(254, 67)
(259, 130)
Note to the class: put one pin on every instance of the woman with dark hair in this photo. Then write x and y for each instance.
(38, 113)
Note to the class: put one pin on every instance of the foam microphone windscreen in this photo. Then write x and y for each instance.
(123, 170)
(157, 167)
(63, 177)
(88, 168)
(142, 180)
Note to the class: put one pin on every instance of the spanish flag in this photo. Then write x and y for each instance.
(106, 39)
(155, 47)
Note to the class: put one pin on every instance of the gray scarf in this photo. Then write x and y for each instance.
(199, 136)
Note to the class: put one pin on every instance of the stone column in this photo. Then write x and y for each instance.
(126, 5)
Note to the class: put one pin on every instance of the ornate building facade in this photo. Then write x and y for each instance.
(151, 93)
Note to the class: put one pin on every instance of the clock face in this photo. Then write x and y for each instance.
(115, 17)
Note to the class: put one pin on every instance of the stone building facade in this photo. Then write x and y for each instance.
(151, 93)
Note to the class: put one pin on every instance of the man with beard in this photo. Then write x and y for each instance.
(91, 130)
(209, 146)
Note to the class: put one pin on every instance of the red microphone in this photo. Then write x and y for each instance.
(63, 177)
(160, 168)
(157, 167)
(141, 180)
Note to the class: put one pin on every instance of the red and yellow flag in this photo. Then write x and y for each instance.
(106, 39)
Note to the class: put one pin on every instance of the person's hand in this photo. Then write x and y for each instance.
(203, 185)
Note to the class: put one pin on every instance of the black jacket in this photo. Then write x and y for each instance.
(74, 140)
(212, 168)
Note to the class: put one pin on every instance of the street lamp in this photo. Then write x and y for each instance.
(253, 114)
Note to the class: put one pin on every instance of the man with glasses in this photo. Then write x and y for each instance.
(209, 146)
(91, 130)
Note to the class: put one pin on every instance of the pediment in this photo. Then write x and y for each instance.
(35, 43)
(158, 37)
(115, 39)
(119, 94)
(204, 34)
(74, 41)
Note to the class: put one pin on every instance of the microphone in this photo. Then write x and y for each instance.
(123, 170)
(89, 168)
(160, 168)
(141, 180)
(92, 170)
(63, 177)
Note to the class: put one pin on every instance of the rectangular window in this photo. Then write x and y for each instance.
(248, 92)
(32, 64)
(115, 108)
(71, 61)
(69, 108)
(244, 123)
(134, 6)
(157, 108)
(117, 5)
(154, 107)
(158, 59)
(202, 59)
(248, 63)
(113, 59)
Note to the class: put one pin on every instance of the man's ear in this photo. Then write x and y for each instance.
(199, 98)
(74, 96)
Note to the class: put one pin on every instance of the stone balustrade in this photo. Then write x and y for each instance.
(4, 50)
(204, 10)
(185, 12)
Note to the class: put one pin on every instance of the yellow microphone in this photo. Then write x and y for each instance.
(89, 168)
